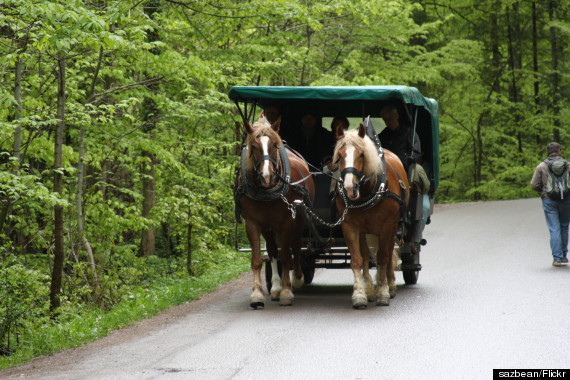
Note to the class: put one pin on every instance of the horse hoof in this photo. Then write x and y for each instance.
(359, 302)
(275, 296)
(256, 305)
(383, 301)
(286, 298)
(393, 292)
(286, 301)
(298, 282)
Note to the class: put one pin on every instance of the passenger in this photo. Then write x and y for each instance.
(399, 138)
(312, 141)
(339, 120)
(271, 112)
(328, 164)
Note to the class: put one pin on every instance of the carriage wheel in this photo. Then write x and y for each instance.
(308, 273)
(411, 276)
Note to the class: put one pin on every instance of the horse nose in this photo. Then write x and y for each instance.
(352, 191)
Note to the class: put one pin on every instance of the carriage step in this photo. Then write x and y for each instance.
(332, 265)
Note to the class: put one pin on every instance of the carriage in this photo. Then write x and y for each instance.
(323, 244)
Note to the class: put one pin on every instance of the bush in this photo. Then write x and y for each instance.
(24, 301)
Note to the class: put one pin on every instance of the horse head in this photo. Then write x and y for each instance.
(263, 144)
(357, 159)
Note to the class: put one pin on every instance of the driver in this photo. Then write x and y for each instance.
(398, 138)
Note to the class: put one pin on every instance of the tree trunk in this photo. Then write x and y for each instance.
(535, 55)
(148, 240)
(555, 76)
(57, 273)
(515, 64)
(495, 51)
(80, 181)
(80, 221)
(189, 245)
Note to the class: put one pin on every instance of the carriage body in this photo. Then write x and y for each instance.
(323, 245)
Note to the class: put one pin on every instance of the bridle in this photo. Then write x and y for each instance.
(266, 157)
(361, 178)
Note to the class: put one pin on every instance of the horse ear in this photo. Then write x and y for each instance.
(276, 124)
(339, 130)
(361, 130)
(247, 127)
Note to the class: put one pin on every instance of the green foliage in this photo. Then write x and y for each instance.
(77, 323)
(23, 302)
(146, 104)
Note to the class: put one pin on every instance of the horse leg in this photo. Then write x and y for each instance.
(391, 267)
(384, 260)
(298, 279)
(273, 253)
(368, 243)
(359, 299)
(286, 295)
(257, 298)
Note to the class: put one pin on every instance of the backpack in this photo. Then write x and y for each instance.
(557, 184)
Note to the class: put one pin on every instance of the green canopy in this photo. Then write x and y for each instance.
(354, 101)
(409, 95)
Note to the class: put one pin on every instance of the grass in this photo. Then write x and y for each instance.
(74, 329)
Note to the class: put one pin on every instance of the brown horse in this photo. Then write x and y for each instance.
(265, 194)
(374, 188)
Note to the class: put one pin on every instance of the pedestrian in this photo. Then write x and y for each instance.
(556, 211)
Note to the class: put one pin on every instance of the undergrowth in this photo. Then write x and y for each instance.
(30, 331)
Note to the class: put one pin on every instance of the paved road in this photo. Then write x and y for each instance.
(487, 298)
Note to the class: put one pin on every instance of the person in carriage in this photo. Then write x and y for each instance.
(314, 142)
(405, 143)
(271, 112)
(398, 138)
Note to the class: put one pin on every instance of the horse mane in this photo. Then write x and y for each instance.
(372, 167)
(262, 127)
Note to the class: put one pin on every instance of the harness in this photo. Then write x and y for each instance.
(380, 190)
(247, 187)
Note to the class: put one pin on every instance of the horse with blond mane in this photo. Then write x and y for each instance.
(271, 178)
(374, 187)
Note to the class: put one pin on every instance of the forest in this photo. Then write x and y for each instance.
(118, 141)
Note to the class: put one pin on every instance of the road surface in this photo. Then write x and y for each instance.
(487, 297)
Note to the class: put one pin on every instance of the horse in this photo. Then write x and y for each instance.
(271, 178)
(374, 187)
